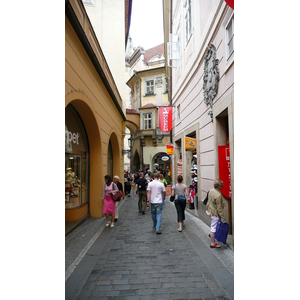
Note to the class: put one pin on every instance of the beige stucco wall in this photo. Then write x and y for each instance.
(107, 18)
(209, 21)
(85, 90)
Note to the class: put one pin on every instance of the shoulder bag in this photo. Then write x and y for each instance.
(117, 195)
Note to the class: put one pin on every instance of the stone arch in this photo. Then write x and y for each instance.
(116, 154)
(87, 113)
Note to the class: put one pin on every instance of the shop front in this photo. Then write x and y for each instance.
(76, 166)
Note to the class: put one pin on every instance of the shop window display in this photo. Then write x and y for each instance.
(76, 161)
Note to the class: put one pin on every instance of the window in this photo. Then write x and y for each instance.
(230, 37)
(188, 21)
(150, 87)
(147, 121)
(178, 112)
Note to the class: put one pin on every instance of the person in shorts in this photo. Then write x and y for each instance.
(215, 209)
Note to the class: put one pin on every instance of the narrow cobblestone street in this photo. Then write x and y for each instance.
(131, 261)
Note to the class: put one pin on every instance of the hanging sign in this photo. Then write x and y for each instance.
(224, 170)
(165, 118)
(230, 3)
(190, 143)
(170, 149)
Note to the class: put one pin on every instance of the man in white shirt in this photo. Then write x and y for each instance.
(156, 193)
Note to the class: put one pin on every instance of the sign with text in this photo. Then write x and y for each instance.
(165, 118)
(224, 170)
(190, 143)
(170, 149)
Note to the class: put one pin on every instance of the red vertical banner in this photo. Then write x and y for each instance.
(224, 170)
(165, 118)
(230, 3)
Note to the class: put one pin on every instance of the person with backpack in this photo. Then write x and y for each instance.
(180, 192)
(141, 186)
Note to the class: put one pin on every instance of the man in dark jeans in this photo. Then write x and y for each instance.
(141, 185)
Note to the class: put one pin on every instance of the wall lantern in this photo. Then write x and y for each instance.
(130, 141)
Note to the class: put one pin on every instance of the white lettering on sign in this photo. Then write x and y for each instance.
(165, 119)
(72, 137)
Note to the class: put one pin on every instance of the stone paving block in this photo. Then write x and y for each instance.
(135, 263)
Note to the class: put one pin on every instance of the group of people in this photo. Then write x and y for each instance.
(152, 192)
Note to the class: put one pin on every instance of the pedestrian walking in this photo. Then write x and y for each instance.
(180, 191)
(141, 186)
(163, 181)
(120, 188)
(215, 209)
(127, 182)
(156, 197)
(109, 203)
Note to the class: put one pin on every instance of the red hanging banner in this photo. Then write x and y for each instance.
(165, 118)
(224, 170)
(230, 3)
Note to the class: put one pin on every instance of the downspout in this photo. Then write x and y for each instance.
(170, 71)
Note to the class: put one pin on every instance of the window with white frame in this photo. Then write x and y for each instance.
(188, 21)
(150, 87)
(230, 37)
(147, 121)
(178, 112)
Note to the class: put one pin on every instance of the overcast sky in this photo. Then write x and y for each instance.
(146, 27)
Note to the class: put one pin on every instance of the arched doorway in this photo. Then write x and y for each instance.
(161, 161)
(135, 163)
(93, 204)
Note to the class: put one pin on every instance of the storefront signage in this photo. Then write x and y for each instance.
(190, 143)
(72, 137)
(170, 149)
(165, 118)
(224, 170)
(165, 158)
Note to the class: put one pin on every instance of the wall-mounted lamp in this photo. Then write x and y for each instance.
(130, 141)
(210, 113)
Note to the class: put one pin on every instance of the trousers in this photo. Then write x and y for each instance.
(156, 214)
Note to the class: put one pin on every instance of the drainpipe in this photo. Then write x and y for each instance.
(170, 71)
(134, 73)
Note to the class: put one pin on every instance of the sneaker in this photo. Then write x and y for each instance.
(179, 229)
(116, 220)
(107, 224)
(158, 232)
(143, 212)
(112, 225)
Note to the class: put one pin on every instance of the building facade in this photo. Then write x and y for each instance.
(94, 117)
(201, 75)
(148, 91)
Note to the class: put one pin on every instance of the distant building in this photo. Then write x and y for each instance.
(149, 91)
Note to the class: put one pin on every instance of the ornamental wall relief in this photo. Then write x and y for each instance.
(211, 75)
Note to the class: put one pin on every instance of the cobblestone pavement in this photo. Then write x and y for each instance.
(131, 261)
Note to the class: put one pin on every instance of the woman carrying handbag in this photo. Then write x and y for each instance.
(109, 203)
(180, 193)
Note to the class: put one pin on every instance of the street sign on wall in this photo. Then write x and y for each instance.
(224, 170)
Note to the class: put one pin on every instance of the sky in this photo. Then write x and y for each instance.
(146, 27)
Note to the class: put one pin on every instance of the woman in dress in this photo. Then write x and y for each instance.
(109, 203)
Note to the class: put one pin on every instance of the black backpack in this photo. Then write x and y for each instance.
(206, 199)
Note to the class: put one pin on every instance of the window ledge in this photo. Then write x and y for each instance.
(229, 62)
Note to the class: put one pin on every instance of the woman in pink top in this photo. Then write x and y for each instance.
(109, 203)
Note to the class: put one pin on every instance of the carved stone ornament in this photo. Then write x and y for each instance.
(211, 75)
